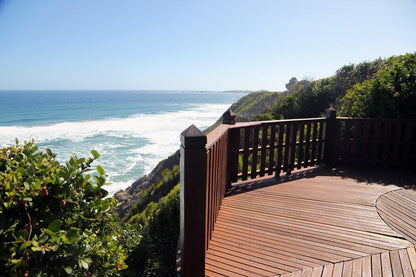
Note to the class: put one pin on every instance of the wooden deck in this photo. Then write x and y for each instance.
(315, 225)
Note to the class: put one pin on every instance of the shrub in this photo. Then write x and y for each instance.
(54, 219)
(391, 93)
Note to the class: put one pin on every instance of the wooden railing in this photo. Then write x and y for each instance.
(379, 142)
(216, 184)
(270, 148)
(204, 179)
(238, 152)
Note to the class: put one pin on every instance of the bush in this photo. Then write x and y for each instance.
(391, 93)
(155, 255)
(53, 218)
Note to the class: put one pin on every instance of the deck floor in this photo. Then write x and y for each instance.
(317, 225)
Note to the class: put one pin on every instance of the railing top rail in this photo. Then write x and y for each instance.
(377, 119)
(215, 134)
(255, 123)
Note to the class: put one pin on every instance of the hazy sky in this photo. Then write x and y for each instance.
(193, 45)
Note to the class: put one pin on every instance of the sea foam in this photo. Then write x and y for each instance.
(130, 147)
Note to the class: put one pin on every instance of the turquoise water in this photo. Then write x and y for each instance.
(132, 130)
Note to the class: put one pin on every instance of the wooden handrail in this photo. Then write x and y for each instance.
(204, 179)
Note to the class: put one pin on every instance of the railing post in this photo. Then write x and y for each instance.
(193, 176)
(330, 135)
(229, 118)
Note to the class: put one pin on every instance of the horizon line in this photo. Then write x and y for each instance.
(154, 90)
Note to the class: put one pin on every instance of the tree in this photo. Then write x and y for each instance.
(292, 82)
(54, 219)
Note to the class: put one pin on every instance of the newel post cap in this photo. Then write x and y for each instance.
(331, 113)
(192, 137)
(228, 117)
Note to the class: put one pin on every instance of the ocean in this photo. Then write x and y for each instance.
(132, 130)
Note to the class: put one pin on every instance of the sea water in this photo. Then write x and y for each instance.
(132, 130)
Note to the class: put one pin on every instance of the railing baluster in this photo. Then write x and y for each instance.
(330, 136)
(308, 145)
(235, 153)
(246, 152)
(292, 145)
(209, 188)
(348, 142)
(282, 128)
(314, 135)
(355, 142)
(272, 149)
(264, 135)
(300, 147)
(365, 141)
(254, 155)
(320, 141)
(386, 141)
(213, 185)
(287, 147)
(408, 141)
(376, 143)
(396, 143)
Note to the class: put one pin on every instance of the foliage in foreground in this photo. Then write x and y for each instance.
(53, 218)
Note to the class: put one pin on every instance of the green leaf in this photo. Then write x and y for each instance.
(73, 249)
(95, 154)
(36, 248)
(100, 170)
(25, 245)
(73, 235)
(88, 260)
(68, 269)
(28, 199)
(43, 239)
(26, 185)
(54, 225)
(22, 234)
(83, 264)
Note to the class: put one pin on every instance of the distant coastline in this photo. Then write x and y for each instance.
(127, 90)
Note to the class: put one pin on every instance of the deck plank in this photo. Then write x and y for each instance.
(405, 263)
(386, 264)
(319, 226)
(412, 257)
(328, 269)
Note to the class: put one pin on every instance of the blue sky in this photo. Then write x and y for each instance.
(193, 45)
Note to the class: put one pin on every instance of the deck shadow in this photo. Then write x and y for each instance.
(401, 177)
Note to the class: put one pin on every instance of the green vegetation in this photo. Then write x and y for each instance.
(54, 219)
(390, 93)
(155, 255)
(380, 88)
(144, 207)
